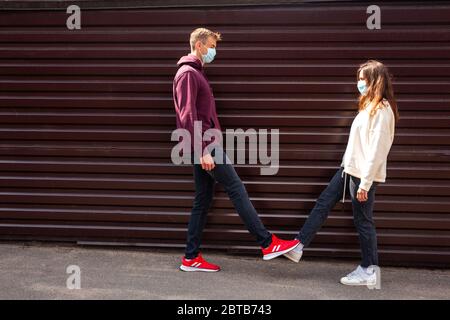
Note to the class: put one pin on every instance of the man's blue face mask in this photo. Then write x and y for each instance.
(209, 56)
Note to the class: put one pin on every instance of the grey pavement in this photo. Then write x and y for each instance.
(38, 271)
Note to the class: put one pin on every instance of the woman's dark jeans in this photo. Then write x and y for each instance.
(362, 216)
(204, 190)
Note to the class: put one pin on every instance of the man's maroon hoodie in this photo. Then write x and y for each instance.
(193, 98)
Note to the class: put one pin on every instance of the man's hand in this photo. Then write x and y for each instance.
(361, 195)
(207, 162)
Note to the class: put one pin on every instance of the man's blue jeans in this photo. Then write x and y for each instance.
(362, 216)
(204, 190)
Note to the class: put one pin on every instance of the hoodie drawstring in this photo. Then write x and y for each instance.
(345, 184)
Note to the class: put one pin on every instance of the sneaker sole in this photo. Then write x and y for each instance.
(271, 256)
(357, 284)
(293, 256)
(193, 269)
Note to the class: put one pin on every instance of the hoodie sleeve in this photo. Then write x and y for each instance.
(380, 142)
(186, 95)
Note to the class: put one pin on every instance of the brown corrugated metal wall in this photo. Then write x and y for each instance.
(86, 117)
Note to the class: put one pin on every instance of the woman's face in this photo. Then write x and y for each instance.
(361, 76)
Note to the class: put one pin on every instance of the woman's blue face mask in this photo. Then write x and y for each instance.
(362, 87)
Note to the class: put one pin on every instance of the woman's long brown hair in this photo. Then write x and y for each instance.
(379, 87)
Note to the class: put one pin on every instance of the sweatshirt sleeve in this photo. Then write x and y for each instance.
(186, 96)
(380, 142)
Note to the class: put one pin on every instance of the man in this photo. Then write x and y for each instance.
(194, 101)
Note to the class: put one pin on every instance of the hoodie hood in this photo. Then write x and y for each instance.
(190, 60)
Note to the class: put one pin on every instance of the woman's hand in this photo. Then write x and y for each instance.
(361, 195)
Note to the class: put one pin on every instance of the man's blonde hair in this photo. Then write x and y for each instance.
(203, 34)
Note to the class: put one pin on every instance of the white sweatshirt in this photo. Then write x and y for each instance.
(368, 145)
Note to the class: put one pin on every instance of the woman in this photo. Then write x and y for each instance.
(364, 162)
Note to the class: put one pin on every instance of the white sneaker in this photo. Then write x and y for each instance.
(359, 277)
(296, 254)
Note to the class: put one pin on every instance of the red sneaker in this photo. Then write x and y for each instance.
(278, 247)
(198, 264)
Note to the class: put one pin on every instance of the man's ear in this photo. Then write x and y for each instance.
(198, 45)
